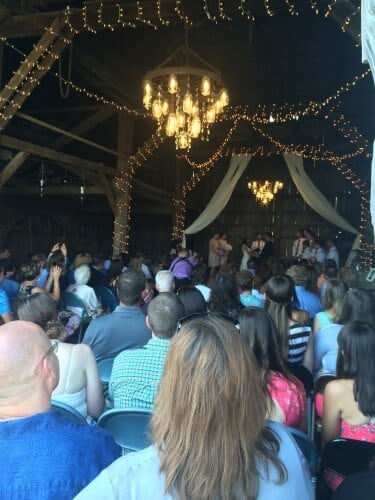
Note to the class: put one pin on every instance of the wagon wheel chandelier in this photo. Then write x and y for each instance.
(265, 191)
(185, 100)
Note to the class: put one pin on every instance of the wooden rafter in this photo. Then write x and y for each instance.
(62, 158)
(31, 71)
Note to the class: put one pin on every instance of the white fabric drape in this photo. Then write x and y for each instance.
(311, 194)
(368, 56)
(222, 195)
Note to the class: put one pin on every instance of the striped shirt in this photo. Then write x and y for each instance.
(298, 340)
(136, 374)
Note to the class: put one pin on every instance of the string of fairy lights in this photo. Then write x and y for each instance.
(124, 184)
(214, 12)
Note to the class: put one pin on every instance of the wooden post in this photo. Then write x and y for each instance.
(125, 144)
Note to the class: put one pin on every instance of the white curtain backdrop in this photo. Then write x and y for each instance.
(368, 56)
(222, 195)
(311, 194)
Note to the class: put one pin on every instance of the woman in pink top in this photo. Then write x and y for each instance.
(287, 396)
(349, 401)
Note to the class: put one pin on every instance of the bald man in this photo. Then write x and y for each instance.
(44, 455)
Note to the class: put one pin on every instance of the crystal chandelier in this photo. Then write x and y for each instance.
(185, 100)
(264, 192)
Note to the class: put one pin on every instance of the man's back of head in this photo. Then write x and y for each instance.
(29, 370)
(130, 285)
(164, 281)
(163, 314)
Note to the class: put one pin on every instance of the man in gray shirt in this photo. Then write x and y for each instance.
(125, 327)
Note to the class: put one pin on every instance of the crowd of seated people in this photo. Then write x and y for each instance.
(171, 339)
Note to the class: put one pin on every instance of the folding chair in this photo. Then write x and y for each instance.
(360, 485)
(309, 450)
(67, 411)
(343, 457)
(306, 378)
(106, 297)
(105, 366)
(68, 300)
(128, 427)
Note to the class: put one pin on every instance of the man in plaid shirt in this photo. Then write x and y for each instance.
(136, 373)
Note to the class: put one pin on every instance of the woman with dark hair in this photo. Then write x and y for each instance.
(286, 394)
(79, 385)
(358, 305)
(296, 338)
(349, 401)
(210, 437)
(224, 296)
(192, 299)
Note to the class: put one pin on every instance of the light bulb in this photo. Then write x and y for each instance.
(148, 88)
(187, 103)
(180, 120)
(211, 115)
(165, 107)
(224, 97)
(171, 127)
(205, 86)
(183, 141)
(218, 107)
(195, 128)
(157, 110)
(147, 101)
(172, 84)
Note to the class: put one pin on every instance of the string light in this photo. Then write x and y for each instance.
(124, 184)
(179, 11)
(246, 13)
(209, 16)
(349, 18)
(269, 12)
(163, 22)
(140, 17)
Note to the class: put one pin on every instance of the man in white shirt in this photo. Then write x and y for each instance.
(332, 252)
(308, 252)
(297, 248)
(319, 252)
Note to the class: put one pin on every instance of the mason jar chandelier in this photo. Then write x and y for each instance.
(264, 192)
(185, 100)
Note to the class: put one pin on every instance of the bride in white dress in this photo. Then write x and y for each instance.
(246, 254)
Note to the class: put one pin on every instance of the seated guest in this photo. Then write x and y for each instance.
(307, 301)
(5, 310)
(9, 285)
(182, 267)
(332, 304)
(125, 327)
(81, 259)
(297, 338)
(245, 284)
(164, 281)
(97, 278)
(79, 384)
(349, 401)
(192, 300)
(29, 274)
(41, 260)
(287, 396)
(199, 278)
(210, 437)
(84, 292)
(114, 272)
(45, 455)
(136, 372)
(358, 305)
(349, 276)
(329, 272)
(224, 297)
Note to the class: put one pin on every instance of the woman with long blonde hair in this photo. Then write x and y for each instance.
(211, 441)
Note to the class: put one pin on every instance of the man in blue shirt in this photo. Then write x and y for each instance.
(126, 327)
(136, 373)
(44, 455)
(10, 287)
(307, 301)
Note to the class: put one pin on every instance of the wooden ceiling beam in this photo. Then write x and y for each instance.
(12, 167)
(62, 158)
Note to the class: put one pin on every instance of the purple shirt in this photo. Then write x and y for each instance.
(182, 267)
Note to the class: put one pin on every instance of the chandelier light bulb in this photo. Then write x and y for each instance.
(165, 107)
(211, 115)
(187, 103)
(195, 128)
(147, 101)
(171, 127)
(195, 109)
(183, 141)
(148, 88)
(180, 120)
(172, 84)
(218, 107)
(271, 119)
(157, 110)
(224, 97)
(206, 86)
